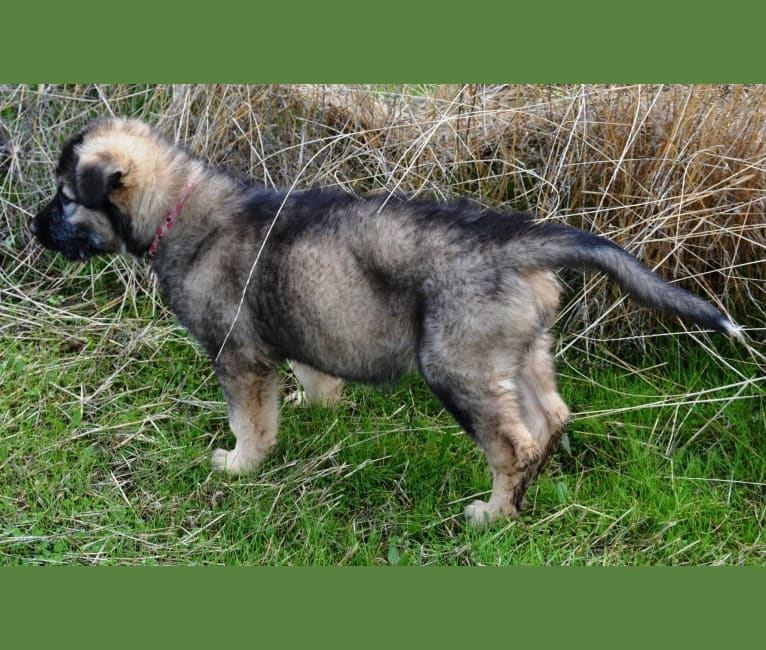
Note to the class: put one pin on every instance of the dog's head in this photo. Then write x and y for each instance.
(106, 179)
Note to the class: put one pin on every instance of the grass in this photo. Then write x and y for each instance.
(107, 433)
(109, 412)
(381, 479)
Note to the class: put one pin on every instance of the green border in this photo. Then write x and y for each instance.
(395, 42)
(493, 41)
(375, 607)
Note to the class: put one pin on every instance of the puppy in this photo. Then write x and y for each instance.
(363, 289)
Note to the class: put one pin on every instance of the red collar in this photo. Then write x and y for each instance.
(168, 221)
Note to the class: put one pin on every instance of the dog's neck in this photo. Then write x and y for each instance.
(169, 220)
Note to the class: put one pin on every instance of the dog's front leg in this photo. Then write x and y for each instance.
(253, 404)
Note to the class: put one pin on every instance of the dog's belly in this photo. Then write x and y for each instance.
(365, 361)
(357, 335)
(336, 315)
(372, 345)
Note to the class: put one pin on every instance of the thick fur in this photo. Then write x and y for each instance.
(363, 289)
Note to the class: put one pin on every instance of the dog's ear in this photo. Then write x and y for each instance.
(96, 182)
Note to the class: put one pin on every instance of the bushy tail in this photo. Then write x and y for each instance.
(557, 245)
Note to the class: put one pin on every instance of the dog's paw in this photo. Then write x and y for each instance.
(480, 514)
(233, 462)
(296, 398)
(300, 398)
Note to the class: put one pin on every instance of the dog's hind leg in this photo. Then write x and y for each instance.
(253, 403)
(543, 410)
(512, 449)
(493, 415)
(317, 387)
(485, 354)
(543, 374)
(482, 387)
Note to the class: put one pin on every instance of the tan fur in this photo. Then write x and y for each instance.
(154, 176)
(253, 415)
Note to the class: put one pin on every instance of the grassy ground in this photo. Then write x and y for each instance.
(107, 431)
(109, 412)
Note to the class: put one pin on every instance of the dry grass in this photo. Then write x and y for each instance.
(676, 174)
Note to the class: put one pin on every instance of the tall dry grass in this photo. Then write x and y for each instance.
(676, 174)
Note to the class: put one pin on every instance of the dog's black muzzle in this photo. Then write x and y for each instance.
(54, 231)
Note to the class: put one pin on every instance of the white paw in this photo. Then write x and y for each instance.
(232, 462)
(296, 398)
(478, 514)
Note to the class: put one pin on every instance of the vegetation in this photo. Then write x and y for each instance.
(109, 411)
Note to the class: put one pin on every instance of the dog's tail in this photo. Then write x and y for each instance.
(563, 246)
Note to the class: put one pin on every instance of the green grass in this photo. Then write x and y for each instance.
(107, 432)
